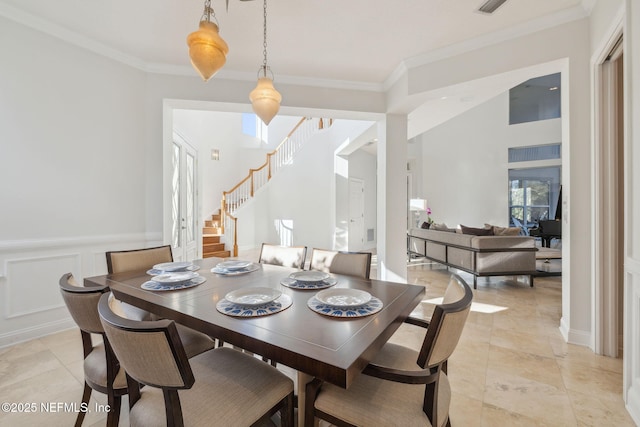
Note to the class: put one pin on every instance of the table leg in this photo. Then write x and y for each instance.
(303, 380)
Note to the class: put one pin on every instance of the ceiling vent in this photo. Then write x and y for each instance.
(490, 6)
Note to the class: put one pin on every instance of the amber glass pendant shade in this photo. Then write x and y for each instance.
(265, 100)
(207, 50)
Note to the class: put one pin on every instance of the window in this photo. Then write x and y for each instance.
(253, 126)
(533, 195)
(535, 99)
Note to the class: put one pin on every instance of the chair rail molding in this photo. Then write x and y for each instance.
(30, 302)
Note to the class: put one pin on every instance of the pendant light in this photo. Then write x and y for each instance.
(265, 99)
(207, 50)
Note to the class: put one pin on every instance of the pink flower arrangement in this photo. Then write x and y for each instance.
(429, 220)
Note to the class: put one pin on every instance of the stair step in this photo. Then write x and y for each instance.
(211, 230)
(212, 247)
(210, 238)
(216, 217)
(219, 254)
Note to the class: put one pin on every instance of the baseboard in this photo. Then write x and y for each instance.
(27, 334)
(633, 404)
(573, 336)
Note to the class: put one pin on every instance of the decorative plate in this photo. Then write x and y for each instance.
(173, 266)
(254, 296)
(156, 272)
(155, 286)
(231, 309)
(293, 283)
(174, 278)
(373, 306)
(226, 272)
(343, 297)
(234, 265)
(309, 276)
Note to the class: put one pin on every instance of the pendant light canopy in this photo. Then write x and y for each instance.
(265, 99)
(207, 50)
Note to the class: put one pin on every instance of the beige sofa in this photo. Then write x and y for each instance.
(478, 255)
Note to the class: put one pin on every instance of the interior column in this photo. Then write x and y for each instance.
(392, 198)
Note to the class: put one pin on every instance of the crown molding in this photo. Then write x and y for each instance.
(535, 25)
(550, 21)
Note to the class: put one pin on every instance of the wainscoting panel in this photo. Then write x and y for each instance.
(30, 302)
(32, 283)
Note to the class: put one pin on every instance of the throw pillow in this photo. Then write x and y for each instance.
(476, 231)
(441, 227)
(504, 231)
(425, 225)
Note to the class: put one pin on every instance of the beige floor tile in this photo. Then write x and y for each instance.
(511, 366)
(521, 341)
(592, 409)
(527, 365)
(530, 398)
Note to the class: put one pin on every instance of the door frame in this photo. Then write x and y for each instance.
(605, 305)
(350, 210)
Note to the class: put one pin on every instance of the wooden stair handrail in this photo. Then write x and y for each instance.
(225, 211)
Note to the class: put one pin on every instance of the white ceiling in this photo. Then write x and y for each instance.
(361, 41)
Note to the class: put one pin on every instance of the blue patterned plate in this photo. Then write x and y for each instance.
(235, 310)
(155, 286)
(373, 306)
(156, 271)
(227, 272)
(296, 284)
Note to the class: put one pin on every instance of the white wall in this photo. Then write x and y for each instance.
(465, 163)
(303, 195)
(73, 173)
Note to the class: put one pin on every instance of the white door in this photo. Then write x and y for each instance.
(184, 190)
(356, 214)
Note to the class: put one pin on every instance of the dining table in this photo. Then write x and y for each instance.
(333, 347)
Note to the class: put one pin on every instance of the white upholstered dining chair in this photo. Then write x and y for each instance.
(220, 387)
(144, 259)
(287, 256)
(101, 369)
(357, 264)
(401, 386)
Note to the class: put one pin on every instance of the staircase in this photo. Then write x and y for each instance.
(211, 236)
(224, 223)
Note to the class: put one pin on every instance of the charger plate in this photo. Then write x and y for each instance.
(295, 284)
(155, 286)
(235, 310)
(227, 272)
(155, 271)
(373, 306)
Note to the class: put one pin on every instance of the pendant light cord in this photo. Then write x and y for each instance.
(264, 44)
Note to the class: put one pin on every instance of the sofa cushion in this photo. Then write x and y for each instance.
(476, 231)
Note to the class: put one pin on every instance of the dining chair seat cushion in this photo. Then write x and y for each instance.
(373, 401)
(95, 369)
(194, 342)
(231, 388)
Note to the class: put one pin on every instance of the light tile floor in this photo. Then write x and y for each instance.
(511, 367)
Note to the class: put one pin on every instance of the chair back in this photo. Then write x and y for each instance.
(446, 324)
(286, 256)
(150, 352)
(137, 259)
(356, 264)
(82, 303)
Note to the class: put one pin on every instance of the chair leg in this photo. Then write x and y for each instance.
(86, 395)
(113, 417)
(286, 412)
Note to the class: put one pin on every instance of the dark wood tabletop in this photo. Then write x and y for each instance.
(333, 349)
